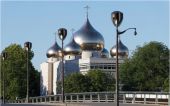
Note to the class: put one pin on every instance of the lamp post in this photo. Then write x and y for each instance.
(62, 33)
(117, 18)
(4, 56)
(27, 46)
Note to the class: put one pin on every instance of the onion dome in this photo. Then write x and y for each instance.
(122, 50)
(72, 48)
(88, 38)
(104, 53)
(54, 51)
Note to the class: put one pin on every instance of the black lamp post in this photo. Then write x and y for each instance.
(117, 18)
(62, 33)
(4, 56)
(27, 46)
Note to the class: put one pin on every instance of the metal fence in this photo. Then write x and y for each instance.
(89, 97)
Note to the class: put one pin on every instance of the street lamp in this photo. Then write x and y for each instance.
(27, 46)
(4, 56)
(117, 18)
(62, 33)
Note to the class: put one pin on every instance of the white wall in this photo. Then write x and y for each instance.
(44, 78)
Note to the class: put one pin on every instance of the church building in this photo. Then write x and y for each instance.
(85, 51)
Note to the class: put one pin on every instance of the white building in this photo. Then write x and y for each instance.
(85, 51)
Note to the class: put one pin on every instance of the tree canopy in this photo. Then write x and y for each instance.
(15, 73)
(93, 81)
(147, 69)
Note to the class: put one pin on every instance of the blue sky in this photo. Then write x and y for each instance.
(37, 21)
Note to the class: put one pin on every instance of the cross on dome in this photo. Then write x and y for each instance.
(55, 34)
(87, 8)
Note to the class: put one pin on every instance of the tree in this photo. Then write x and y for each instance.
(147, 69)
(76, 82)
(93, 81)
(166, 85)
(100, 81)
(15, 73)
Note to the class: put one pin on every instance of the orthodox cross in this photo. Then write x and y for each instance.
(87, 8)
(55, 34)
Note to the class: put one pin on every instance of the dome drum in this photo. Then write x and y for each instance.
(54, 54)
(92, 46)
(71, 53)
(120, 54)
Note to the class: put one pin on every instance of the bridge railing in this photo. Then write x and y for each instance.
(124, 97)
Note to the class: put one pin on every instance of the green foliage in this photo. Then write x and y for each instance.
(166, 85)
(15, 73)
(76, 82)
(100, 81)
(59, 87)
(93, 81)
(147, 69)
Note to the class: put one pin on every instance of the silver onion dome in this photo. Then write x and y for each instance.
(88, 38)
(122, 50)
(54, 51)
(104, 53)
(72, 48)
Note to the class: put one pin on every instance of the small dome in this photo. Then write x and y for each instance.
(104, 53)
(54, 51)
(72, 48)
(88, 38)
(122, 50)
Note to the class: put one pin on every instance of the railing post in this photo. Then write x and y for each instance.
(32, 100)
(84, 98)
(144, 98)
(98, 97)
(55, 98)
(156, 99)
(45, 99)
(114, 95)
(91, 99)
(65, 98)
(133, 100)
(124, 98)
(71, 98)
(106, 97)
(77, 98)
(36, 100)
(49, 99)
(40, 99)
(169, 98)
(60, 98)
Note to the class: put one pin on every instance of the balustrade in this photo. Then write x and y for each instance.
(125, 97)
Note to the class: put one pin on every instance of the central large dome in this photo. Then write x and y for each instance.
(88, 38)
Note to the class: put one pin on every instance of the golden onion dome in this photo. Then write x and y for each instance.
(104, 53)
(54, 51)
(122, 50)
(72, 48)
(88, 38)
